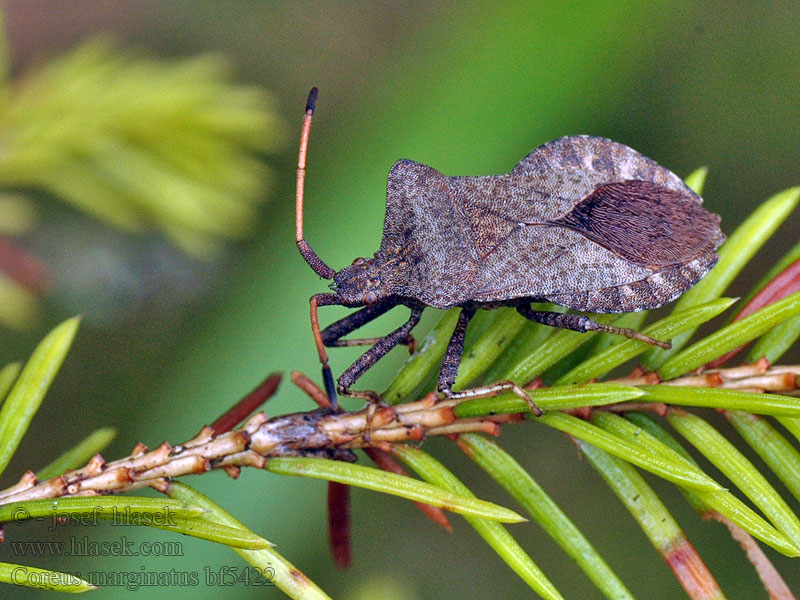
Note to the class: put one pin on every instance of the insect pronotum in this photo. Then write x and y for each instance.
(583, 222)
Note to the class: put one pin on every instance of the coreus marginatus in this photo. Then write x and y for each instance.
(582, 221)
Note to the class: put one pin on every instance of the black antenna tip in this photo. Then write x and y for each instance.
(312, 99)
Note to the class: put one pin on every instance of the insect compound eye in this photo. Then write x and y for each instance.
(359, 261)
(370, 298)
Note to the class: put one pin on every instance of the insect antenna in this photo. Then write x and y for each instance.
(314, 261)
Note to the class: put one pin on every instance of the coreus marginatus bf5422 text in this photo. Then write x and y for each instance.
(582, 221)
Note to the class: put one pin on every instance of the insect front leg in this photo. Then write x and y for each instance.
(452, 360)
(314, 303)
(332, 334)
(373, 355)
(583, 324)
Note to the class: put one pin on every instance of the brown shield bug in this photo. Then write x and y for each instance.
(582, 221)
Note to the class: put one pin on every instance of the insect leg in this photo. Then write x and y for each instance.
(315, 301)
(375, 353)
(332, 333)
(583, 324)
(452, 360)
(452, 356)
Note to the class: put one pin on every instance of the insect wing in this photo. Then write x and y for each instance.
(606, 229)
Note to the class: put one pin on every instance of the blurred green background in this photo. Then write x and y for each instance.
(169, 342)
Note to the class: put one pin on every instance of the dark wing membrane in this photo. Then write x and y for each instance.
(648, 226)
(645, 223)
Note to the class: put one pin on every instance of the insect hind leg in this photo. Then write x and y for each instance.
(452, 360)
(582, 324)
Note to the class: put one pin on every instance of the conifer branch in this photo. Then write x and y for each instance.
(321, 433)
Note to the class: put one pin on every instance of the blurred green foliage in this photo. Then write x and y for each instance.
(138, 142)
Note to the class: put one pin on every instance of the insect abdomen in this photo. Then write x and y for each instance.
(657, 289)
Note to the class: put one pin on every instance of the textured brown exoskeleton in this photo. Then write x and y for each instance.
(582, 221)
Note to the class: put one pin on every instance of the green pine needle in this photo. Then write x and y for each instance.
(773, 448)
(8, 375)
(495, 534)
(723, 501)
(602, 362)
(160, 513)
(774, 344)
(27, 576)
(271, 565)
(654, 518)
(555, 398)
(390, 483)
(510, 475)
(658, 461)
(731, 337)
(739, 470)
(721, 398)
(78, 455)
(32, 384)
